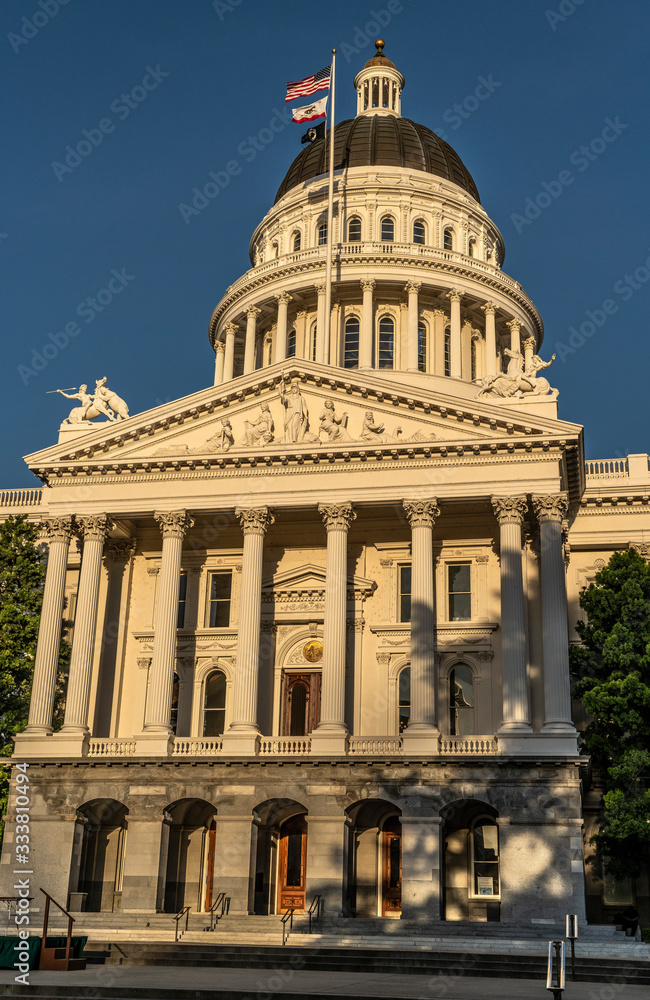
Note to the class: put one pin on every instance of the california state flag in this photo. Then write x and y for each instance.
(311, 111)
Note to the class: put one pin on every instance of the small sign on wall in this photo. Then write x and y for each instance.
(485, 885)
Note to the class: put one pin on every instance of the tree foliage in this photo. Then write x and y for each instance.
(611, 669)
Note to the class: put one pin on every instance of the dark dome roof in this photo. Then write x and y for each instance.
(381, 140)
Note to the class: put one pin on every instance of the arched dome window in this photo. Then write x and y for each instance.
(474, 359)
(322, 234)
(386, 352)
(448, 239)
(296, 241)
(312, 342)
(404, 698)
(214, 704)
(351, 343)
(448, 350)
(291, 343)
(422, 348)
(419, 232)
(461, 701)
(354, 229)
(387, 229)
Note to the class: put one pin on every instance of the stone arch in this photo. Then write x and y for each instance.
(98, 855)
(188, 847)
(470, 871)
(373, 884)
(278, 824)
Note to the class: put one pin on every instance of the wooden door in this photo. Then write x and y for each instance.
(392, 868)
(292, 865)
(301, 703)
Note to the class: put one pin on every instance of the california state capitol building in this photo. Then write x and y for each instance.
(321, 610)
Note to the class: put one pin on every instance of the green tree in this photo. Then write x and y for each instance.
(611, 669)
(22, 576)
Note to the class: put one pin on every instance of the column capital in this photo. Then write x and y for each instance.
(120, 549)
(174, 524)
(510, 510)
(301, 314)
(551, 508)
(94, 528)
(337, 516)
(367, 284)
(514, 324)
(413, 286)
(253, 311)
(421, 513)
(255, 520)
(454, 295)
(439, 312)
(320, 288)
(231, 329)
(529, 343)
(219, 347)
(489, 308)
(283, 297)
(55, 529)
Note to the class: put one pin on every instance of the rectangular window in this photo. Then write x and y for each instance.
(182, 600)
(219, 600)
(460, 593)
(404, 594)
(447, 352)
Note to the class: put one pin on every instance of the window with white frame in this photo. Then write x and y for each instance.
(461, 701)
(296, 242)
(351, 343)
(322, 234)
(422, 348)
(386, 352)
(214, 704)
(404, 593)
(448, 351)
(354, 229)
(387, 229)
(459, 592)
(291, 343)
(419, 232)
(219, 599)
(312, 342)
(485, 857)
(448, 239)
(474, 359)
(182, 601)
(404, 698)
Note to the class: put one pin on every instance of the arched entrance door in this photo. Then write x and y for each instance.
(189, 868)
(292, 864)
(374, 885)
(301, 703)
(101, 827)
(391, 868)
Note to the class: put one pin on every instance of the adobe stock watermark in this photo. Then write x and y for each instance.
(559, 16)
(460, 111)
(121, 107)
(87, 310)
(581, 158)
(224, 7)
(624, 289)
(30, 26)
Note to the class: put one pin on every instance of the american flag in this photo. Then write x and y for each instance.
(310, 85)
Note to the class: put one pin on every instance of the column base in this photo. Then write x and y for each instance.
(514, 728)
(51, 745)
(154, 744)
(424, 739)
(544, 744)
(241, 744)
(329, 742)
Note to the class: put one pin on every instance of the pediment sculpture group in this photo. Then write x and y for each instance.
(103, 402)
(519, 380)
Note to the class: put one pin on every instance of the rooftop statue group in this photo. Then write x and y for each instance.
(519, 379)
(103, 402)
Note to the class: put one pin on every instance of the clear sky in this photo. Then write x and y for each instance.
(170, 90)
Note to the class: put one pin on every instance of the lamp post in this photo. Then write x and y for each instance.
(555, 969)
(572, 934)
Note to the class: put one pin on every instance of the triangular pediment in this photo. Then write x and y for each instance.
(309, 580)
(299, 408)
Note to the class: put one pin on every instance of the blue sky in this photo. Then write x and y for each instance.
(201, 77)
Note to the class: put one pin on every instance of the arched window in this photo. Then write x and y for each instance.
(448, 239)
(322, 234)
(474, 360)
(354, 229)
(387, 229)
(447, 350)
(214, 704)
(291, 343)
(296, 242)
(422, 348)
(386, 342)
(419, 232)
(404, 698)
(485, 857)
(351, 344)
(461, 701)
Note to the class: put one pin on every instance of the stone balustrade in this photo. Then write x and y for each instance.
(111, 747)
(31, 497)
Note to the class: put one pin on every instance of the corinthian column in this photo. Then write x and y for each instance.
(219, 353)
(57, 531)
(321, 326)
(281, 333)
(412, 287)
(490, 338)
(456, 343)
(154, 739)
(365, 348)
(93, 531)
(229, 359)
(515, 335)
(249, 349)
(331, 735)
(243, 734)
(510, 513)
(422, 732)
(551, 510)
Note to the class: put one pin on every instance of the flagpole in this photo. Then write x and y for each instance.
(326, 340)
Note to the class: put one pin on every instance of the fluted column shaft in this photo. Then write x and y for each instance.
(490, 339)
(510, 513)
(229, 359)
(254, 525)
(249, 347)
(422, 515)
(529, 351)
(412, 287)
(220, 350)
(58, 532)
(515, 335)
(93, 532)
(551, 510)
(456, 343)
(337, 519)
(281, 333)
(367, 317)
(173, 526)
(321, 326)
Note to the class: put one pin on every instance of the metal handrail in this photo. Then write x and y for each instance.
(185, 911)
(314, 908)
(287, 919)
(222, 901)
(46, 916)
